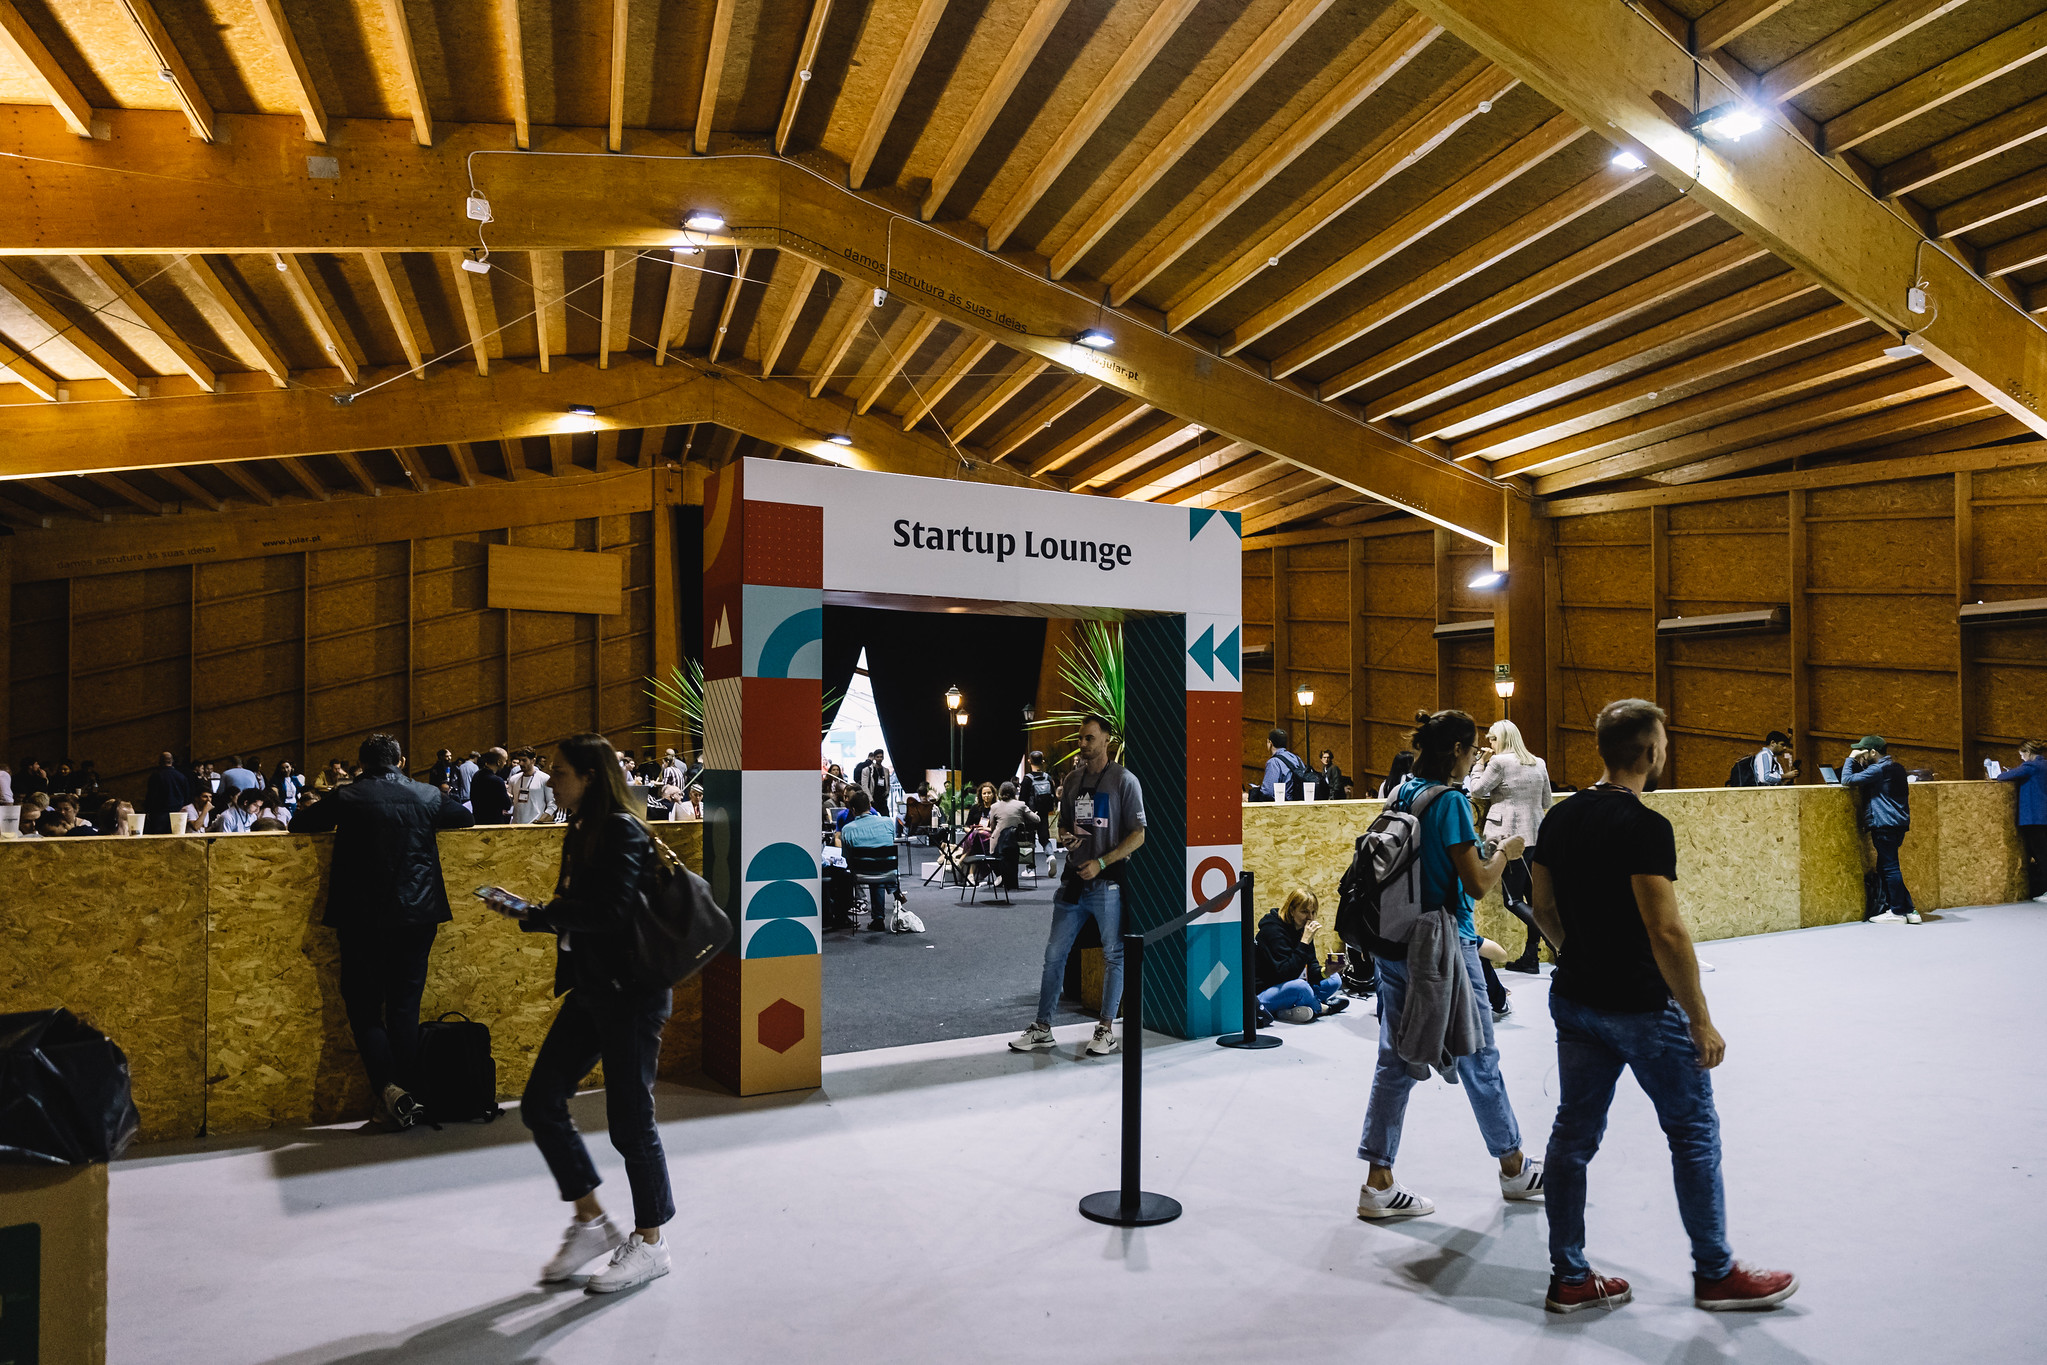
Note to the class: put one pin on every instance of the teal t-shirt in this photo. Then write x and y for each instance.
(869, 831)
(1445, 824)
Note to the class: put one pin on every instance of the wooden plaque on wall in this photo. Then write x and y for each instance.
(556, 580)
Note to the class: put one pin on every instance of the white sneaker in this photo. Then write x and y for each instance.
(582, 1244)
(1104, 1042)
(1527, 1185)
(1032, 1039)
(1887, 917)
(1913, 918)
(1396, 1201)
(1298, 1014)
(2040, 899)
(632, 1265)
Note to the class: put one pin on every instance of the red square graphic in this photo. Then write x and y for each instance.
(779, 723)
(1215, 809)
(784, 545)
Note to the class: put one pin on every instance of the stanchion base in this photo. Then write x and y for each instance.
(1107, 1207)
(1255, 1041)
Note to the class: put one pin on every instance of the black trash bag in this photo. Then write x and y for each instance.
(64, 1095)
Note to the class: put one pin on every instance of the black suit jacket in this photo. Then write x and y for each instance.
(168, 790)
(594, 903)
(490, 798)
(387, 865)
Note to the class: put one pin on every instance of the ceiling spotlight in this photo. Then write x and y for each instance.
(1095, 339)
(703, 220)
(581, 410)
(1729, 122)
(840, 438)
(1490, 578)
(1628, 161)
(475, 267)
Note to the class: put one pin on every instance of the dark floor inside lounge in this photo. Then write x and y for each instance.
(972, 972)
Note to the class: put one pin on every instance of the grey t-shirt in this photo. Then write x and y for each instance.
(1102, 808)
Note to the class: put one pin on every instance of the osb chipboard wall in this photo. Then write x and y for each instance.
(223, 988)
(1606, 623)
(1317, 586)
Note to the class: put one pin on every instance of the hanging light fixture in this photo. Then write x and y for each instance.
(1503, 681)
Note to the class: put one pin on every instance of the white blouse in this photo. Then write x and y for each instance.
(1519, 793)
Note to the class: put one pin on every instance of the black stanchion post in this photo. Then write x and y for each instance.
(1250, 1037)
(1131, 1206)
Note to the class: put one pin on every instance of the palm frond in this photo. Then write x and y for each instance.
(681, 694)
(1092, 670)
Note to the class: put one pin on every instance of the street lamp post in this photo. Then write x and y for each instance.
(1305, 695)
(953, 700)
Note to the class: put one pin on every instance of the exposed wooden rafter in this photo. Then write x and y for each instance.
(407, 61)
(30, 53)
(1023, 49)
(806, 54)
(36, 302)
(284, 46)
(714, 72)
(171, 64)
(396, 310)
(923, 23)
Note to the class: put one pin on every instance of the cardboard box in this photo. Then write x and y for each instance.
(53, 1265)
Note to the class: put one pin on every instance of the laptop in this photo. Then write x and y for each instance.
(1830, 775)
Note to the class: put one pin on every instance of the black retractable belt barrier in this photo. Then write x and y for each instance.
(1250, 1037)
(1132, 1206)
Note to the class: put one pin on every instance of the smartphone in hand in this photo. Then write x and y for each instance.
(504, 902)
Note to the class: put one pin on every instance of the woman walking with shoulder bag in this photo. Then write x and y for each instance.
(606, 1015)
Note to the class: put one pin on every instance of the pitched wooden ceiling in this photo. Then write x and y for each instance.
(1338, 196)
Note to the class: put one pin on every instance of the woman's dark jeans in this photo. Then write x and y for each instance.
(623, 1030)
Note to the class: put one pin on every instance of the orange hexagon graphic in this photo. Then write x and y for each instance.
(781, 1026)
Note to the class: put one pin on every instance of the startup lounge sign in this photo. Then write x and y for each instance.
(898, 536)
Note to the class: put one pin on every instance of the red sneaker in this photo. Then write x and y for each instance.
(1743, 1290)
(1595, 1291)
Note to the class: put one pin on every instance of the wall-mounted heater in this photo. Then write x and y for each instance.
(1727, 623)
(2003, 613)
(1465, 630)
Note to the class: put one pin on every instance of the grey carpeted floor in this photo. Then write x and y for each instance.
(973, 971)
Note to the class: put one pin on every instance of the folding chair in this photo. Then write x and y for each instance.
(951, 856)
(873, 867)
(1001, 864)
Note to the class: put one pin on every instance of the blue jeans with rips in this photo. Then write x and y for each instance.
(1479, 1074)
(1592, 1048)
(1299, 991)
(1102, 900)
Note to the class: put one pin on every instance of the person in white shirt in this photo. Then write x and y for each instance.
(1772, 769)
(1511, 787)
(469, 767)
(246, 810)
(532, 794)
(674, 772)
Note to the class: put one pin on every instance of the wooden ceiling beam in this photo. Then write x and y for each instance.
(410, 85)
(414, 465)
(192, 488)
(714, 74)
(2015, 195)
(1559, 334)
(201, 274)
(1866, 396)
(1986, 61)
(511, 40)
(1136, 55)
(472, 300)
(34, 57)
(621, 30)
(685, 282)
(1450, 109)
(1605, 66)
(303, 475)
(1287, 28)
(1314, 503)
(615, 319)
(1646, 390)
(127, 492)
(284, 46)
(806, 54)
(47, 313)
(997, 393)
(1207, 449)
(2007, 132)
(103, 271)
(1601, 187)
(1859, 41)
(198, 113)
(1385, 61)
(2015, 255)
(28, 374)
(1071, 447)
(22, 515)
(351, 463)
(923, 24)
(1229, 479)
(561, 453)
(1473, 188)
(395, 310)
(927, 396)
(65, 498)
(778, 336)
(859, 307)
(1291, 486)
(1573, 270)
(896, 359)
(1152, 438)
(550, 315)
(1728, 20)
(607, 458)
(1023, 49)
(1666, 341)
(725, 309)
(313, 308)
(1963, 407)
(249, 484)
(463, 455)
(1069, 394)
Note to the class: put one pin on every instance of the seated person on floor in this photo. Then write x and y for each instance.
(1292, 983)
(865, 829)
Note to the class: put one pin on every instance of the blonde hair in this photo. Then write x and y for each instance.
(1295, 899)
(1505, 736)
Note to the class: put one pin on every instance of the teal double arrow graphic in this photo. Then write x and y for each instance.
(1207, 653)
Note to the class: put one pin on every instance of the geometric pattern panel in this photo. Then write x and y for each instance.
(1215, 653)
(784, 632)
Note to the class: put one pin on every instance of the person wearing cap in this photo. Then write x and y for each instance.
(1884, 807)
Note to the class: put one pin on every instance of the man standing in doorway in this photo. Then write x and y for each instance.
(1774, 765)
(1884, 796)
(871, 776)
(386, 901)
(168, 790)
(1101, 823)
(532, 795)
(1626, 996)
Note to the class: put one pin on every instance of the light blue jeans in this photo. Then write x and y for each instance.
(1299, 991)
(1103, 900)
(1479, 1073)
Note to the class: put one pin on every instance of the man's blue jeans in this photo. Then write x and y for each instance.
(1299, 991)
(1890, 877)
(1103, 900)
(1479, 1074)
(1592, 1048)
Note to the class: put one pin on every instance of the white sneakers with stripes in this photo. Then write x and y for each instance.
(1395, 1201)
(1527, 1185)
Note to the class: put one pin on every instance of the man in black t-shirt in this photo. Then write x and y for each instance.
(1626, 995)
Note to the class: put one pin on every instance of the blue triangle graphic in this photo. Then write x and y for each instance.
(1227, 653)
(1203, 651)
(1197, 517)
